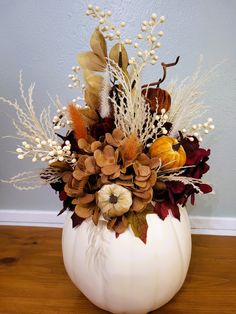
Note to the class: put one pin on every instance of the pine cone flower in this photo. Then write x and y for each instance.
(107, 160)
(144, 179)
(82, 184)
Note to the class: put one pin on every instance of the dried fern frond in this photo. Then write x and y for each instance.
(26, 181)
(132, 115)
(184, 180)
(39, 139)
(35, 179)
(187, 102)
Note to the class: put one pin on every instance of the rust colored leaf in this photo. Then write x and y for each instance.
(83, 212)
(139, 224)
(121, 225)
(129, 149)
(95, 216)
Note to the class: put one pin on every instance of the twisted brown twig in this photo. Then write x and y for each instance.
(164, 66)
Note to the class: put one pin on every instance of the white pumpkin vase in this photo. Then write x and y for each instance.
(124, 275)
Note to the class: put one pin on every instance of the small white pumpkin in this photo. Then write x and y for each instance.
(124, 275)
(114, 200)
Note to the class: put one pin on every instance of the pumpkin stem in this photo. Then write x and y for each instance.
(176, 147)
(113, 199)
(164, 66)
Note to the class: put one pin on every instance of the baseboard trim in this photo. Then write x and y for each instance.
(200, 224)
(37, 218)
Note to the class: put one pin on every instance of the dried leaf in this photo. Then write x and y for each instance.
(63, 166)
(162, 209)
(138, 204)
(89, 115)
(79, 175)
(83, 144)
(147, 195)
(96, 215)
(86, 199)
(67, 176)
(90, 165)
(90, 61)
(110, 169)
(139, 224)
(83, 212)
(91, 99)
(76, 220)
(119, 55)
(111, 223)
(129, 149)
(121, 225)
(98, 44)
(93, 82)
(95, 145)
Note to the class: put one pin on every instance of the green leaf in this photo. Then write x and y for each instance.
(139, 224)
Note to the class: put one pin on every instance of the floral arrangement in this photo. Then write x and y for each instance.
(122, 149)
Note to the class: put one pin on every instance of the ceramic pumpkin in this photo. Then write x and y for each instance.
(170, 151)
(124, 275)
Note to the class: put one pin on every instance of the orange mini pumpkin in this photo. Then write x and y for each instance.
(170, 151)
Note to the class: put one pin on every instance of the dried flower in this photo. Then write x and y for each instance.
(78, 122)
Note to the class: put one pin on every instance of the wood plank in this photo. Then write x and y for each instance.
(33, 278)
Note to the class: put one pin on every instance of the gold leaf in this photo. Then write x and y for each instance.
(61, 165)
(92, 100)
(119, 55)
(139, 224)
(98, 44)
(121, 225)
(90, 61)
(93, 82)
(93, 89)
(90, 116)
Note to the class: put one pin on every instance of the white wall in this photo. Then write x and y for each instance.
(43, 37)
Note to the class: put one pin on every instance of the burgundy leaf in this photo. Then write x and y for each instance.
(162, 209)
(62, 195)
(76, 220)
(205, 188)
(62, 210)
(192, 199)
(175, 210)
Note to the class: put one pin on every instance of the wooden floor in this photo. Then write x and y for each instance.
(33, 279)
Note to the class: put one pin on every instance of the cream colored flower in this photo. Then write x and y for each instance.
(114, 200)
